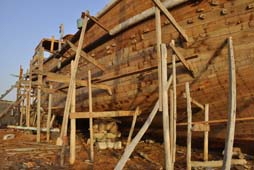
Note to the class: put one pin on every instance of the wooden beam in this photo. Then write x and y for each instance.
(38, 109)
(220, 121)
(217, 163)
(132, 125)
(206, 134)
(174, 105)
(189, 115)
(165, 114)
(66, 79)
(52, 44)
(86, 115)
(185, 63)
(73, 124)
(171, 19)
(71, 85)
(90, 100)
(231, 107)
(158, 50)
(95, 20)
(129, 149)
(87, 57)
(32, 128)
(49, 113)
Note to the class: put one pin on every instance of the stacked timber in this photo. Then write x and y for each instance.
(106, 135)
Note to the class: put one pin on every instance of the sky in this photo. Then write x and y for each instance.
(23, 23)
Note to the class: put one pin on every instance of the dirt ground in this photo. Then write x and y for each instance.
(22, 152)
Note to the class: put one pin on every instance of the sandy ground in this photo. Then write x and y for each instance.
(22, 152)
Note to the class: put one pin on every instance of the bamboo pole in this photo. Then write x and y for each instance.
(28, 100)
(91, 112)
(158, 49)
(206, 133)
(231, 108)
(49, 113)
(189, 114)
(73, 124)
(72, 80)
(132, 125)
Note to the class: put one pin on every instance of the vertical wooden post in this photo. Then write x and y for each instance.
(19, 91)
(21, 113)
(52, 44)
(49, 113)
(231, 108)
(189, 114)
(171, 97)
(72, 80)
(132, 126)
(28, 99)
(206, 133)
(168, 163)
(158, 49)
(174, 104)
(73, 124)
(40, 62)
(90, 119)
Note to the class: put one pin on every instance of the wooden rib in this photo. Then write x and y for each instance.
(171, 19)
(87, 57)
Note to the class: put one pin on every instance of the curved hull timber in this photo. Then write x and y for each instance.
(130, 61)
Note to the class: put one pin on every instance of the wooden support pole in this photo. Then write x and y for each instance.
(71, 85)
(206, 133)
(90, 119)
(21, 113)
(165, 114)
(38, 111)
(158, 49)
(171, 97)
(28, 100)
(95, 20)
(231, 108)
(189, 114)
(87, 57)
(49, 113)
(129, 149)
(52, 44)
(171, 19)
(19, 89)
(174, 105)
(132, 125)
(73, 124)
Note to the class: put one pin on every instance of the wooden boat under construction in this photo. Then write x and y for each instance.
(120, 48)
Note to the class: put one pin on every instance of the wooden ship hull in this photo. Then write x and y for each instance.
(124, 48)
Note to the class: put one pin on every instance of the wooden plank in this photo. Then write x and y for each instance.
(200, 128)
(85, 115)
(52, 44)
(189, 115)
(90, 98)
(49, 113)
(158, 50)
(217, 163)
(130, 148)
(73, 125)
(71, 85)
(132, 125)
(87, 57)
(66, 79)
(32, 128)
(165, 114)
(206, 133)
(171, 19)
(231, 107)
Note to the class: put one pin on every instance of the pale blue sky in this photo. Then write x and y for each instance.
(23, 23)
